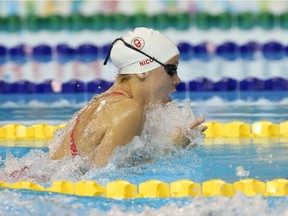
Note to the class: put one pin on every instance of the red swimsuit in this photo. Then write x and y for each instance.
(73, 147)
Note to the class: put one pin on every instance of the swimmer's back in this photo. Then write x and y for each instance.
(100, 114)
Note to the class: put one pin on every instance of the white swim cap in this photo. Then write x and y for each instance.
(149, 41)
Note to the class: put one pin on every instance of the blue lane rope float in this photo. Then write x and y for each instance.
(201, 84)
(63, 53)
(121, 189)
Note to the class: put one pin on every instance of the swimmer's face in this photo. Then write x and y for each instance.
(163, 83)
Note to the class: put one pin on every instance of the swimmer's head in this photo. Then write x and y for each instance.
(154, 49)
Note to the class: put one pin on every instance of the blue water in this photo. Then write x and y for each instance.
(36, 203)
(262, 159)
(218, 161)
(223, 107)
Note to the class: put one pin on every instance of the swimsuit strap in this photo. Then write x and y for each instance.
(114, 93)
(73, 147)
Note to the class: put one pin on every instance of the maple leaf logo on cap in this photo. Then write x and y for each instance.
(138, 42)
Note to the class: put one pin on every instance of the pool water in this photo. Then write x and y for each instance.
(58, 108)
(264, 162)
(260, 161)
(228, 159)
(51, 204)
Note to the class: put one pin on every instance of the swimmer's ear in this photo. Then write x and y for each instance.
(142, 76)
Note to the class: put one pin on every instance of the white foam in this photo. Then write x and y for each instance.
(202, 206)
(154, 143)
(241, 172)
(40, 169)
(17, 203)
(238, 205)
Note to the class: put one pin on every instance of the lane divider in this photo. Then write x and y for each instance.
(89, 52)
(234, 129)
(238, 129)
(33, 132)
(199, 84)
(121, 189)
(179, 20)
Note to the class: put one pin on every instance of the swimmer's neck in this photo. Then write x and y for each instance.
(140, 93)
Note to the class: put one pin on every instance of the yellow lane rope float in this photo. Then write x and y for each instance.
(121, 189)
(234, 129)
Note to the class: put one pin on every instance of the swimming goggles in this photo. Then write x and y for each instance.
(170, 69)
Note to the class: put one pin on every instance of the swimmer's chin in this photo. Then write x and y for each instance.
(161, 101)
(165, 100)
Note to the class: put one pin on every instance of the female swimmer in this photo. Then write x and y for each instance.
(147, 73)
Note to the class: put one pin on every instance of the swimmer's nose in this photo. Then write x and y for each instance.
(176, 80)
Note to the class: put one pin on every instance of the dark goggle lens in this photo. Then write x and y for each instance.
(170, 69)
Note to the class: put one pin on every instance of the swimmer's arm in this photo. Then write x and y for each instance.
(179, 139)
(122, 131)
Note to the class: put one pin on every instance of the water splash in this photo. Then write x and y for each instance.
(153, 146)
(27, 203)
(36, 167)
(241, 172)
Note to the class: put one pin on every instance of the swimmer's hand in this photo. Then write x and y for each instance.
(179, 139)
(196, 124)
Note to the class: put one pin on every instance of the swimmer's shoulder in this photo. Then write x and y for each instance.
(115, 106)
(128, 105)
(126, 108)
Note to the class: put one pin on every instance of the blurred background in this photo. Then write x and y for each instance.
(51, 46)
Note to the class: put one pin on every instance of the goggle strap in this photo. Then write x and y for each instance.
(109, 52)
(131, 47)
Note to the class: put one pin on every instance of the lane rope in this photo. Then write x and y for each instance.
(234, 129)
(121, 189)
